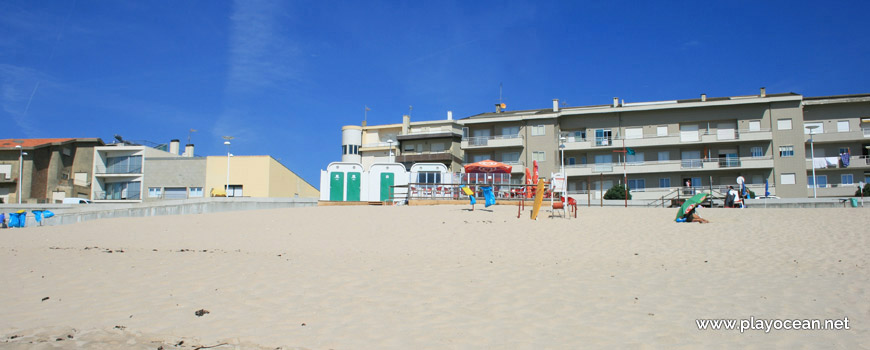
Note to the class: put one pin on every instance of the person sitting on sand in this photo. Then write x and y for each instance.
(693, 216)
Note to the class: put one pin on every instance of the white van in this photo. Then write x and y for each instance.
(76, 201)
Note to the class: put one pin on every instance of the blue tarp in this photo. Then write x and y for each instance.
(17, 219)
(490, 197)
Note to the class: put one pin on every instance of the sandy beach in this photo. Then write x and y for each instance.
(436, 277)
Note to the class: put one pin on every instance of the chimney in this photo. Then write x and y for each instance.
(173, 146)
(188, 150)
(616, 102)
(406, 124)
(498, 107)
(703, 97)
(555, 105)
(763, 92)
(449, 115)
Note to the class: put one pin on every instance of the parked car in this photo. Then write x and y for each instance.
(76, 201)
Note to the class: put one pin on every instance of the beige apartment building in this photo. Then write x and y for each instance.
(255, 176)
(408, 143)
(701, 143)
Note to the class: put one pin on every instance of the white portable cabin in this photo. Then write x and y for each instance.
(381, 176)
(343, 181)
(427, 180)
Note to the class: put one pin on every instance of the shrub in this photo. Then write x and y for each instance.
(866, 191)
(617, 192)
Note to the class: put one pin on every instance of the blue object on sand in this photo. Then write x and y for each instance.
(487, 194)
(38, 215)
(47, 214)
(473, 201)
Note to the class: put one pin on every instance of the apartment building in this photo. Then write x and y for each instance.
(51, 169)
(664, 146)
(408, 143)
(840, 130)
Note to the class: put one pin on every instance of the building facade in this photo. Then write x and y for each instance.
(666, 146)
(255, 176)
(52, 169)
(408, 143)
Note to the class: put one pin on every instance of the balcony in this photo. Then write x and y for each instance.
(834, 136)
(444, 156)
(492, 141)
(573, 144)
(119, 196)
(859, 162)
(517, 167)
(119, 169)
(670, 166)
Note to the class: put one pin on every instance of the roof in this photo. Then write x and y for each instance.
(627, 107)
(35, 143)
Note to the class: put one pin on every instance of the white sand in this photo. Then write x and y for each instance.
(436, 277)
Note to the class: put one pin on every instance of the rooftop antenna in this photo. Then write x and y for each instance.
(366, 114)
(410, 108)
(499, 95)
(188, 135)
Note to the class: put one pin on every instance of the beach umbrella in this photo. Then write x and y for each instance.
(690, 204)
(488, 166)
(535, 176)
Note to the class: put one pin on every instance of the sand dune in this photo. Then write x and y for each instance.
(437, 277)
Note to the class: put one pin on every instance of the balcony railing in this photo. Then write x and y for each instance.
(119, 169)
(692, 164)
(123, 195)
(484, 140)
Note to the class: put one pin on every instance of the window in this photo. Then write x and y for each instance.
(636, 184)
(571, 161)
(580, 135)
(664, 155)
(602, 137)
(754, 125)
(437, 147)
(756, 152)
(846, 179)
(510, 130)
(604, 159)
(154, 192)
(195, 192)
(538, 130)
(783, 124)
(662, 130)
(819, 128)
(408, 147)
(510, 157)
(689, 133)
(480, 157)
(786, 179)
(124, 165)
(633, 133)
(822, 181)
(343, 149)
(636, 158)
(464, 133)
(234, 191)
(844, 150)
(786, 151)
(843, 126)
(429, 177)
(539, 156)
(665, 182)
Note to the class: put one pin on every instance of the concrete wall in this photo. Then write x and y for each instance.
(174, 172)
(75, 213)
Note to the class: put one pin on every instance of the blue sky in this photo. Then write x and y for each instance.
(284, 76)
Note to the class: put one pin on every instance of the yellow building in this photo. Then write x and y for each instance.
(255, 176)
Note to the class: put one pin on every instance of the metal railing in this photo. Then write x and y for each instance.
(484, 140)
(123, 195)
(119, 169)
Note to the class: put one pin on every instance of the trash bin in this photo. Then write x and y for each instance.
(854, 202)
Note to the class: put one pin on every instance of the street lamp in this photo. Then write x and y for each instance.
(390, 142)
(21, 155)
(562, 168)
(813, 157)
(227, 142)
